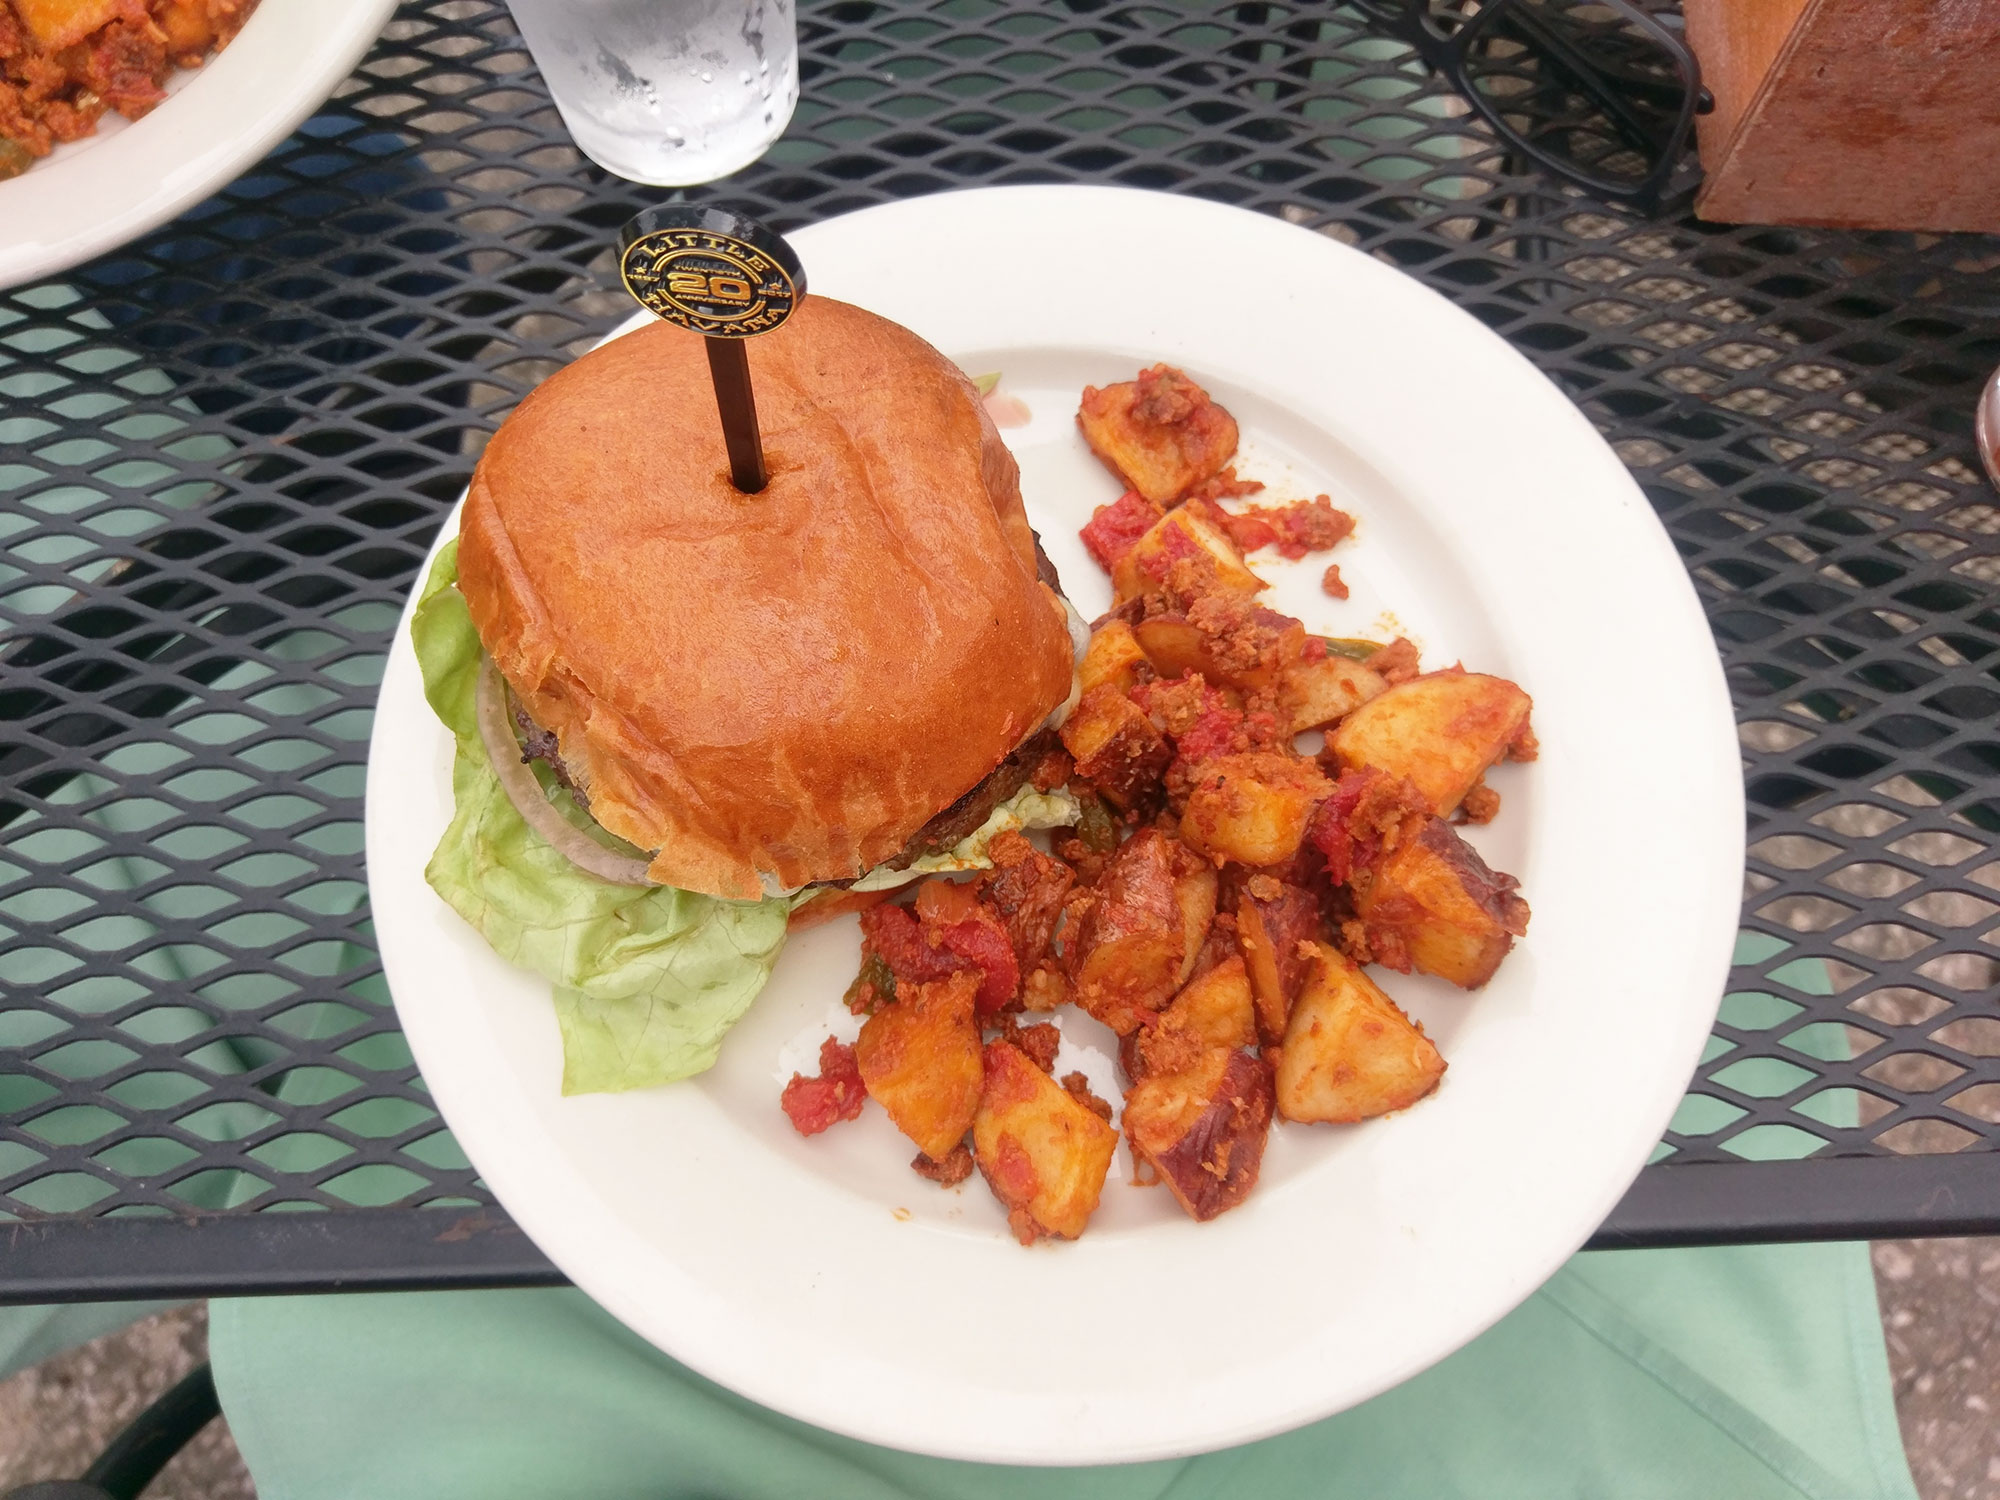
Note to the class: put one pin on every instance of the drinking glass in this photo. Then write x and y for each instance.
(669, 92)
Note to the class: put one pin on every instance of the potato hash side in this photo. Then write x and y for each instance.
(63, 63)
(1224, 894)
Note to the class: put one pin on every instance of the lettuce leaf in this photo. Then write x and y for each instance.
(647, 979)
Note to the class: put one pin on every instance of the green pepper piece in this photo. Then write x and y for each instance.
(1350, 647)
(1096, 828)
(877, 976)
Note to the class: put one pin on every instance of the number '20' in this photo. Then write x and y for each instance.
(707, 287)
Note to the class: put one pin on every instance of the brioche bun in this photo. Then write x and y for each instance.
(787, 684)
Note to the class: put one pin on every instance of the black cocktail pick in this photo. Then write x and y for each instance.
(729, 278)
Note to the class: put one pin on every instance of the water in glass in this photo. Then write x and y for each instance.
(667, 91)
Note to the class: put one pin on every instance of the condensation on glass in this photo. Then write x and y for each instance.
(670, 92)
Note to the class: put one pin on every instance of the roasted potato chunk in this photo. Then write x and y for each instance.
(1350, 1054)
(1126, 950)
(1176, 646)
(1217, 1009)
(1316, 693)
(1220, 944)
(1253, 808)
(1114, 656)
(1161, 432)
(920, 1060)
(189, 30)
(1046, 988)
(1203, 1130)
(1044, 1154)
(1433, 905)
(1180, 533)
(1116, 747)
(1196, 886)
(1441, 730)
(1273, 921)
(1173, 647)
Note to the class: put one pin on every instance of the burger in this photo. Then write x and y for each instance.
(683, 711)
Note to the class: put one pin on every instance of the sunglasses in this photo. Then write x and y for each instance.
(1599, 93)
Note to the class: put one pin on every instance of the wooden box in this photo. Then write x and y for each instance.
(1865, 114)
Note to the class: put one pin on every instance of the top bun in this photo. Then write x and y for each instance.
(789, 683)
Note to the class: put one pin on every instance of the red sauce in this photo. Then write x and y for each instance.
(815, 1104)
(1114, 528)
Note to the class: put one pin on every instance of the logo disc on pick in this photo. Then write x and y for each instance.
(710, 270)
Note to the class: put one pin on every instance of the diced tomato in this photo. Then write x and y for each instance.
(1175, 544)
(1248, 531)
(815, 1104)
(942, 901)
(983, 943)
(1213, 734)
(1349, 826)
(1115, 527)
(1201, 727)
(952, 929)
(1311, 526)
(1331, 830)
(1296, 529)
(1314, 649)
(895, 934)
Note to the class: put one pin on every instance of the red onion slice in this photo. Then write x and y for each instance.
(496, 731)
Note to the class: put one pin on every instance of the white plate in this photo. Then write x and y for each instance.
(131, 176)
(821, 1277)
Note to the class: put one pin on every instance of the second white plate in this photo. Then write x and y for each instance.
(133, 175)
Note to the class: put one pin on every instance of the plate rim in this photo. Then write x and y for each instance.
(1721, 912)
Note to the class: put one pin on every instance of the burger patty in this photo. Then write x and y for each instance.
(965, 816)
(944, 832)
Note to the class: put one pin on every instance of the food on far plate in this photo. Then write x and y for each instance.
(685, 714)
(63, 63)
(1222, 888)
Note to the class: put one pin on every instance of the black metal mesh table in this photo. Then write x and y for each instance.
(227, 446)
